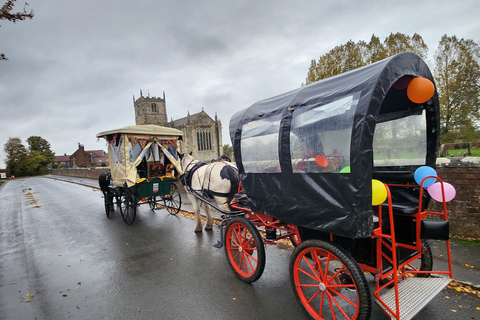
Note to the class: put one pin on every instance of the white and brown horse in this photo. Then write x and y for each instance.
(212, 182)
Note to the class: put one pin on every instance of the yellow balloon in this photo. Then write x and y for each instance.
(379, 192)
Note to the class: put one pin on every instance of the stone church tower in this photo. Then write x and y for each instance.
(150, 110)
(202, 135)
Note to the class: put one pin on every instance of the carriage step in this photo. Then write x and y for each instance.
(414, 294)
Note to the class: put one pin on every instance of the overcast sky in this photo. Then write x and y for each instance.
(75, 67)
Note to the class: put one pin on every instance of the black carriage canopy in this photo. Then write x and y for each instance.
(307, 157)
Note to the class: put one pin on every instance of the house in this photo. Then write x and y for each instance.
(88, 158)
(61, 159)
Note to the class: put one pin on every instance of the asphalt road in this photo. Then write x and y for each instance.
(62, 258)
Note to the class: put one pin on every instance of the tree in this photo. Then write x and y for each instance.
(457, 76)
(353, 55)
(16, 156)
(228, 150)
(7, 14)
(41, 145)
(39, 157)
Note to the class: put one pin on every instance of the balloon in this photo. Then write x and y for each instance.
(402, 83)
(423, 172)
(379, 192)
(435, 191)
(345, 170)
(321, 161)
(420, 90)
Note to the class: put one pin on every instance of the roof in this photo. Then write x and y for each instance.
(150, 130)
(180, 122)
(61, 158)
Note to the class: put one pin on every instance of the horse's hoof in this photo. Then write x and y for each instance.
(198, 231)
(208, 229)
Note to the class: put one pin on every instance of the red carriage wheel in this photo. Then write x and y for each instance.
(245, 250)
(328, 283)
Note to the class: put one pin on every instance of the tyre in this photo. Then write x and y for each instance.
(244, 249)
(328, 283)
(425, 263)
(128, 206)
(173, 201)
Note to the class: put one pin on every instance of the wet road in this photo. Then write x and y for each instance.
(61, 253)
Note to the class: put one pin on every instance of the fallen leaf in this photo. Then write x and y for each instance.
(138, 309)
(31, 295)
(79, 283)
(59, 255)
(234, 298)
(453, 310)
(65, 295)
(81, 259)
(28, 300)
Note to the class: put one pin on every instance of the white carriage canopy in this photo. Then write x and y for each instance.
(137, 153)
(355, 125)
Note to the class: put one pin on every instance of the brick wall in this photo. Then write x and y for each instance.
(463, 210)
(91, 173)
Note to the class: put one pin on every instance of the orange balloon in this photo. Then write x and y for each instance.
(420, 90)
(321, 161)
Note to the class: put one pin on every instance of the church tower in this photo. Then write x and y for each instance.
(150, 110)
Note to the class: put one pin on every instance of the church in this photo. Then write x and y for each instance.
(202, 135)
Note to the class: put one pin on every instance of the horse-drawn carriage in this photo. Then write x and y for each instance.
(143, 169)
(344, 168)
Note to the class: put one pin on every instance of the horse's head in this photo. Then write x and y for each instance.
(187, 161)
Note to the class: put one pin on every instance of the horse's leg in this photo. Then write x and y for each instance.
(209, 224)
(196, 211)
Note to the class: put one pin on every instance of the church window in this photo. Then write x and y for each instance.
(204, 139)
(154, 107)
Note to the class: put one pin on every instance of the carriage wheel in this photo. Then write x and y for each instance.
(328, 283)
(173, 201)
(128, 207)
(244, 249)
(152, 202)
(108, 203)
(425, 263)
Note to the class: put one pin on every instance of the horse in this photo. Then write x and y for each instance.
(216, 181)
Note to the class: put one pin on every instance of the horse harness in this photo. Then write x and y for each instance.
(206, 192)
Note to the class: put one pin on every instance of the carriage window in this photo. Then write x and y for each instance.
(401, 141)
(259, 145)
(115, 151)
(320, 137)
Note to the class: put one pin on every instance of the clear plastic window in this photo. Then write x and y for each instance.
(320, 137)
(260, 145)
(401, 142)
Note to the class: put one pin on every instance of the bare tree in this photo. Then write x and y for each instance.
(7, 14)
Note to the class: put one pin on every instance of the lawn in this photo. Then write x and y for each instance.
(474, 152)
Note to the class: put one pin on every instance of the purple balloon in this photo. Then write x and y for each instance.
(435, 191)
(423, 172)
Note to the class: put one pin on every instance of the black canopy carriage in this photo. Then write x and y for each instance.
(311, 161)
(143, 168)
(361, 121)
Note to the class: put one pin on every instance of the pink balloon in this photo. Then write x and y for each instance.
(435, 191)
